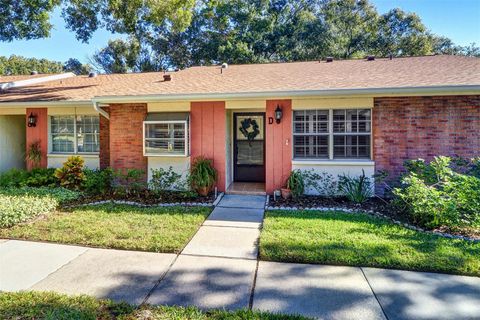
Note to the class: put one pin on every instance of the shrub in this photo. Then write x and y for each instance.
(166, 180)
(129, 182)
(434, 195)
(356, 189)
(71, 175)
(323, 183)
(20, 204)
(38, 177)
(296, 184)
(98, 181)
(41, 177)
(202, 175)
(13, 178)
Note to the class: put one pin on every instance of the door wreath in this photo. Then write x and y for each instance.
(250, 129)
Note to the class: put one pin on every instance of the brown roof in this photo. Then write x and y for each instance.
(409, 72)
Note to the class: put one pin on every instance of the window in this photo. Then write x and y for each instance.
(166, 137)
(310, 134)
(332, 134)
(75, 134)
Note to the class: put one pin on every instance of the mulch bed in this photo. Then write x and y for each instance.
(373, 204)
(147, 198)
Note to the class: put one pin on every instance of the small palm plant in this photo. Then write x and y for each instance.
(34, 153)
(295, 185)
(356, 189)
(202, 176)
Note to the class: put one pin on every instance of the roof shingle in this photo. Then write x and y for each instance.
(423, 71)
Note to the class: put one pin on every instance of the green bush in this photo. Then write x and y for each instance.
(129, 182)
(21, 204)
(323, 183)
(296, 183)
(166, 180)
(435, 195)
(38, 177)
(13, 178)
(71, 175)
(98, 181)
(41, 177)
(356, 189)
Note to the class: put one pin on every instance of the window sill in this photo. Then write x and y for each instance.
(166, 155)
(359, 162)
(83, 155)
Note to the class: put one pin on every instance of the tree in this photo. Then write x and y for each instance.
(15, 65)
(134, 17)
(25, 19)
(402, 34)
(353, 25)
(30, 19)
(75, 66)
(119, 56)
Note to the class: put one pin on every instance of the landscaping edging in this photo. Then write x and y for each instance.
(139, 204)
(376, 214)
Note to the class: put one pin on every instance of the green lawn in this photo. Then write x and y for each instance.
(116, 226)
(47, 305)
(362, 240)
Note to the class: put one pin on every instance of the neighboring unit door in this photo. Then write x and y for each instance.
(249, 147)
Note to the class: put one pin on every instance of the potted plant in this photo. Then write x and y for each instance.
(295, 185)
(202, 176)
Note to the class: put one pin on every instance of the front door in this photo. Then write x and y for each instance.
(249, 147)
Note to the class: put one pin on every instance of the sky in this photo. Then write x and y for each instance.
(457, 19)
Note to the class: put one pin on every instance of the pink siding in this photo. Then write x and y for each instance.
(278, 145)
(38, 133)
(208, 132)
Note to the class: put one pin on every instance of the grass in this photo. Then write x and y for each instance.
(362, 240)
(116, 226)
(48, 305)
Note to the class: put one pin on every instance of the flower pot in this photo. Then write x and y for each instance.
(203, 191)
(286, 193)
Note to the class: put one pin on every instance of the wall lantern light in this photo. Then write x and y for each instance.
(278, 114)
(32, 120)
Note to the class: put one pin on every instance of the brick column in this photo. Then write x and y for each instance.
(126, 136)
(104, 141)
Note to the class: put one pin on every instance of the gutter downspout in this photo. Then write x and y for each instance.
(96, 106)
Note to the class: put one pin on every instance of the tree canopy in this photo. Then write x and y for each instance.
(18, 65)
(165, 34)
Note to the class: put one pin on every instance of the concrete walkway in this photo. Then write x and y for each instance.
(219, 269)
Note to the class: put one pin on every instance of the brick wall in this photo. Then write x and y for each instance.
(126, 136)
(104, 141)
(422, 127)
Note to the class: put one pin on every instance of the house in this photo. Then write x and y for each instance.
(256, 122)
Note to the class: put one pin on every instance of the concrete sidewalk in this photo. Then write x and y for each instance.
(219, 269)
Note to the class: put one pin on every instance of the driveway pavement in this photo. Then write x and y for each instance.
(228, 275)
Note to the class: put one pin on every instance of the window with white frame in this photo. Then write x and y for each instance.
(75, 134)
(332, 134)
(166, 135)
